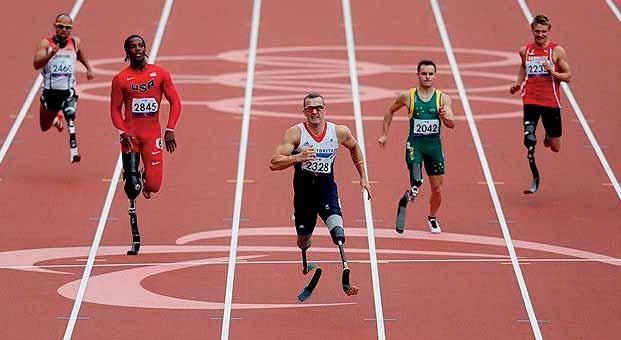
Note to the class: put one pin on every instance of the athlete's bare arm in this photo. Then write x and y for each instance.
(347, 140)
(402, 100)
(82, 58)
(282, 157)
(42, 55)
(521, 72)
(560, 58)
(446, 111)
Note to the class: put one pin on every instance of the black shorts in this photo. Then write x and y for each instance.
(314, 195)
(54, 100)
(550, 117)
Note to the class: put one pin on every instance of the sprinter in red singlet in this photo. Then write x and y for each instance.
(544, 66)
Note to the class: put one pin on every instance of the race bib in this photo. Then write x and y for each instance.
(536, 68)
(319, 165)
(61, 67)
(144, 106)
(423, 127)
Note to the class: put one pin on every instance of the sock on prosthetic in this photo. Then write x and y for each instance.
(530, 138)
(335, 225)
(416, 180)
(69, 108)
(132, 187)
(133, 182)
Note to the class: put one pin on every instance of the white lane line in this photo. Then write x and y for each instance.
(241, 168)
(30, 98)
(111, 190)
(486, 169)
(355, 91)
(580, 115)
(614, 9)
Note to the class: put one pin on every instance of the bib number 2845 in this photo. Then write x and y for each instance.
(144, 106)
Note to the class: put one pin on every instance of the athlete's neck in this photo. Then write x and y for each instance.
(316, 129)
(425, 93)
(138, 65)
(542, 45)
(58, 39)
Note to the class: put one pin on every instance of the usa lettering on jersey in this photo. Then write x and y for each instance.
(143, 87)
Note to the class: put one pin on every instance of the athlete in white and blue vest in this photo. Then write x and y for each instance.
(310, 147)
(56, 58)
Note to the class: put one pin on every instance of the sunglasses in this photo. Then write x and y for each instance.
(311, 108)
(61, 26)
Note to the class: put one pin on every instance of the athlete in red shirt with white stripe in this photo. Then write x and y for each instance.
(139, 87)
(544, 66)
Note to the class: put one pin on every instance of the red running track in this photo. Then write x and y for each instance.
(454, 285)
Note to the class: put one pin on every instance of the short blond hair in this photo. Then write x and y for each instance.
(541, 19)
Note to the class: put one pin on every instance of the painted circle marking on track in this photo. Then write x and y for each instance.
(295, 74)
(127, 291)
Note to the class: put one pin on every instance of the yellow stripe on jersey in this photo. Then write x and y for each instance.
(412, 102)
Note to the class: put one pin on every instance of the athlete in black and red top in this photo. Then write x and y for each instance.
(544, 66)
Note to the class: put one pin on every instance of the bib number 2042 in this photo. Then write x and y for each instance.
(426, 127)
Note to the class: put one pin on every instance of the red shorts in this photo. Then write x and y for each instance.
(150, 146)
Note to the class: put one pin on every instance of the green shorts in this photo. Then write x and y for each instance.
(426, 151)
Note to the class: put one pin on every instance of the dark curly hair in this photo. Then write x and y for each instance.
(126, 45)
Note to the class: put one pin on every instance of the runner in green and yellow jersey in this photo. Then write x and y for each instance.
(428, 110)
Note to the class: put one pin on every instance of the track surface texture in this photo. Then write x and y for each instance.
(502, 260)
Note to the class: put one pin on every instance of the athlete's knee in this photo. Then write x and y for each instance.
(335, 225)
(530, 139)
(46, 118)
(45, 126)
(436, 190)
(555, 146)
(152, 181)
(133, 182)
(305, 241)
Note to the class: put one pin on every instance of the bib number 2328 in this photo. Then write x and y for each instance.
(317, 166)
